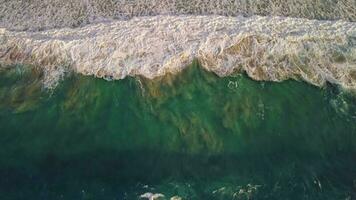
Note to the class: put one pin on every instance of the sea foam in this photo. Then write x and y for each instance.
(44, 14)
(265, 47)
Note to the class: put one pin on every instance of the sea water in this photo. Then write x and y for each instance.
(131, 99)
(192, 135)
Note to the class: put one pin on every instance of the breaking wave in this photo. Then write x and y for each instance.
(152, 38)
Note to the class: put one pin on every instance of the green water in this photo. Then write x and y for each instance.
(193, 135)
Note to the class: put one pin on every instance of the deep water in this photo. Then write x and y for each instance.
(192, 135)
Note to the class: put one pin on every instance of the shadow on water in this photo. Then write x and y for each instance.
(194, 135)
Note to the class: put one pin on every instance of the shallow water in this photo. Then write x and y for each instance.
(192, 135)
(39, 14)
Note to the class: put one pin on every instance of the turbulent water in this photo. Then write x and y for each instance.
(267, 48)
(200, 99)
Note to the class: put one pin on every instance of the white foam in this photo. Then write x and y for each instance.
(44, 14)
(151, 196)
(267, 48)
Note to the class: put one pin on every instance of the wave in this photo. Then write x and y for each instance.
(266, 48)
(39, 15)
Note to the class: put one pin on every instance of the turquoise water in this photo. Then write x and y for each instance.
(192, 135)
